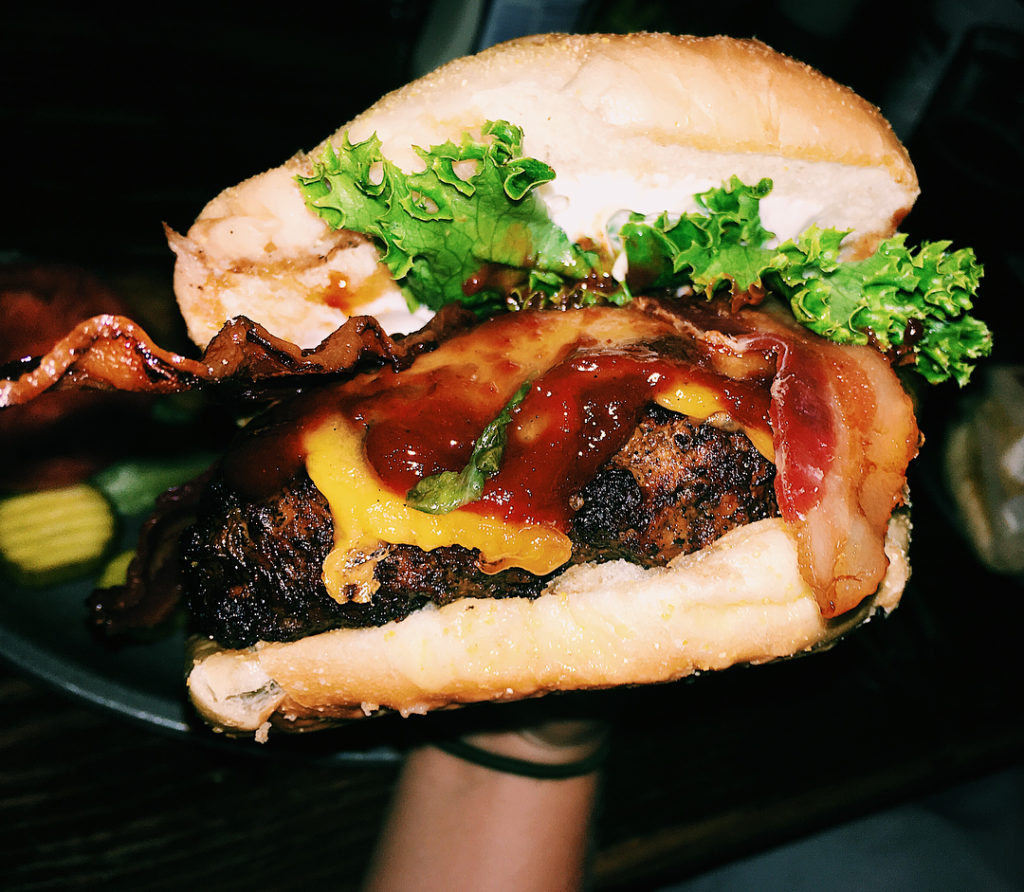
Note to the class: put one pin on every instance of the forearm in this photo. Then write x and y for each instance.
(455, 825)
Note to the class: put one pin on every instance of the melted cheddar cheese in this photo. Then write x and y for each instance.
(367, 514)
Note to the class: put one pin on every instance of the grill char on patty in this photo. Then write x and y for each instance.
(252, 569)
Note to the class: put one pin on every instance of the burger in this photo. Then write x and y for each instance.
(593, 349)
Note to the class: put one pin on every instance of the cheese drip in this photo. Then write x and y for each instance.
(702, 403)
(366, 514)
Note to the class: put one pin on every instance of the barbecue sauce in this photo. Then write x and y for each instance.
(593, 372)
(583, 411)
(590, 385)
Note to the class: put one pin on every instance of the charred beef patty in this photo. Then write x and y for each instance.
(252, 569)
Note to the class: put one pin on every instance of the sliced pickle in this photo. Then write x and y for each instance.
(54, 535)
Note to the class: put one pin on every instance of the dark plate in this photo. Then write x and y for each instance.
(43, 632)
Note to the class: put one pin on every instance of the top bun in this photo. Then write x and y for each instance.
(637, 122)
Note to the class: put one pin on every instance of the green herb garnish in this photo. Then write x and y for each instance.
(444, 492)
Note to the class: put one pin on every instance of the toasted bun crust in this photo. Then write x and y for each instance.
(741, 600)
(628, 122)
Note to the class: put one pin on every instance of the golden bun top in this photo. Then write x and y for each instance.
(582, 98)
(636, 122)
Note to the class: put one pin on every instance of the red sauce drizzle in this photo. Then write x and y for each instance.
(583, 405)
(580, 414)
(337, 294)
(269, 451)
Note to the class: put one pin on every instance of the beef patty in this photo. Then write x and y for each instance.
(252, 569)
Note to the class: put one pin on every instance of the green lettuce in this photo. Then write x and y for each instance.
(899, 300)
(718, 248)
(904, 302)
(468, 227)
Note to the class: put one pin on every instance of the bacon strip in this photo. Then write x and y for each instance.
(844, 433)
(111, 352)
(152, 592)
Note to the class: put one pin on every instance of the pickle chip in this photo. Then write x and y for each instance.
(54, 535)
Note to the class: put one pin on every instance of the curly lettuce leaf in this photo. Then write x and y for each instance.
(906, 303)
(719, 248)
(902, 301)
(469, 227)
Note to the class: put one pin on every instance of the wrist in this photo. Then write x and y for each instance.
(555, 750)
(551, 743)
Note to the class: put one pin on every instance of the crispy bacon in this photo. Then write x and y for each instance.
(111, 352)
(150, 597)
(844, 433)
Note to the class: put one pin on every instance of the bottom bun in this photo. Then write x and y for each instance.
(741, 600)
